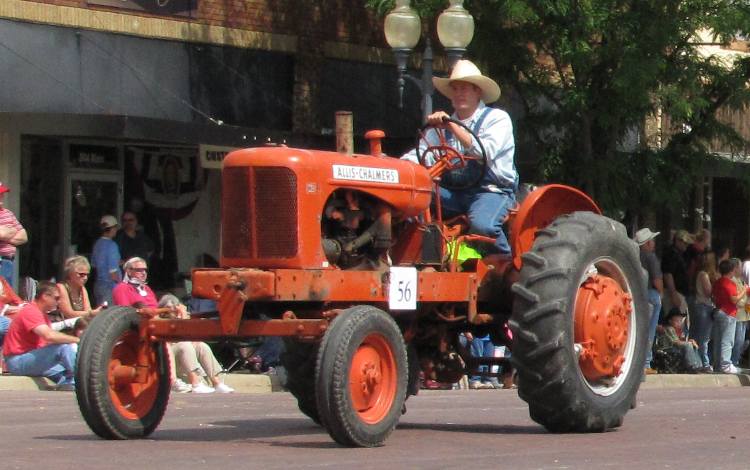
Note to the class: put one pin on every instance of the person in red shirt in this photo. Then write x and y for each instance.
(12, 234)
(133, 290)
(725, 318)
(34, 349)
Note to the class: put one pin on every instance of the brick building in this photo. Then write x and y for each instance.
(112, 105)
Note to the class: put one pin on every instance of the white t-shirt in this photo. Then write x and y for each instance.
(746, 272)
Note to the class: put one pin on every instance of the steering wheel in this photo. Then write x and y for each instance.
(456, 170)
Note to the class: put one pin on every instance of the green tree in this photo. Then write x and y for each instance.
(590, 72)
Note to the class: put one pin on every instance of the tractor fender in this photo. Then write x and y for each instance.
(539, 209)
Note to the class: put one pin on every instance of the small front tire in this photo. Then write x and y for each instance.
(112, 402)
(361, 377)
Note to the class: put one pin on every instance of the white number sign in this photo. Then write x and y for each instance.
(402, 293)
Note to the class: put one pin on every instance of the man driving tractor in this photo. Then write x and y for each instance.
(486, 204)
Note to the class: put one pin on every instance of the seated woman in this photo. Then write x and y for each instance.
(74, 299)
(675, 353)
(194, 360)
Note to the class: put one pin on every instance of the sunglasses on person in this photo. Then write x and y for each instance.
(139, 270)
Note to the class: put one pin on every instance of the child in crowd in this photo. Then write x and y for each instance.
(678, 354)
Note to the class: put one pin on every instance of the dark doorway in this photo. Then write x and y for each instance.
(730, 215)
(41, 205)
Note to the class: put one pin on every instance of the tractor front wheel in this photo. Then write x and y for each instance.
(122, 384)
(361, 377)
(299, 361)
(579, 323)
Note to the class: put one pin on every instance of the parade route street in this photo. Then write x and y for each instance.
(685, 428)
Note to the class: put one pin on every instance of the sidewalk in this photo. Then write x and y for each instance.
(257, 383)
(241, 383)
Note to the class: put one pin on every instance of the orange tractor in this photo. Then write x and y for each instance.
(349, 260)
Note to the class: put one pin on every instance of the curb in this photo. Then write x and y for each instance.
(259, 383)
(658, 381)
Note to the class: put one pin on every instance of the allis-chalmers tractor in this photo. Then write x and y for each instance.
(349, 259)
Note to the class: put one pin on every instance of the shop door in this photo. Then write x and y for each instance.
(93, 189)
(91, 197)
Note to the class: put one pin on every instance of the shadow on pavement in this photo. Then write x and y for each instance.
(475, 428)
(232, 430)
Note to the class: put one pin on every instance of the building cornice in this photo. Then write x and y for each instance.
(144, 26)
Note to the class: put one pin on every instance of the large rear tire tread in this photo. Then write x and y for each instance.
(299, 360)
(343, 337)
(92, 380)
(550, 378)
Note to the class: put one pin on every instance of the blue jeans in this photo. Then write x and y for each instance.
(56, 361)
(4, 325)
(654, 299)
(7, 271)
(739, 342)
(270, 351)
(700, 326)
(723, 340)
(486, 211)
(482, 347)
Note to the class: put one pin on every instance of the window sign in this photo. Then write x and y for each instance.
(213, 155)
(158, 7)
(94, 157)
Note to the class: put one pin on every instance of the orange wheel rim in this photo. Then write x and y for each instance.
(373, 379)
(132, 399)
(602, 327)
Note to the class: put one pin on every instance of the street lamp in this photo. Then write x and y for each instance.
(403, 27)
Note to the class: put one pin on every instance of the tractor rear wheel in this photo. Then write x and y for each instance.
(580, 316)
(361, 377)
(299, 361)
(114, 403)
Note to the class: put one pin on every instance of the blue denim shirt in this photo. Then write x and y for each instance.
(105, 257)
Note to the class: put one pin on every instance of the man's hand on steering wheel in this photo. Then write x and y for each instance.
(438, 119)
(447, 158)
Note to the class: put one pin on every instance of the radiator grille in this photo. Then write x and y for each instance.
(236, 215)
(276, 212)
(259, 212)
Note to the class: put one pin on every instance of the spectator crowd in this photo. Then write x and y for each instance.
(699, 309)
(39, 336)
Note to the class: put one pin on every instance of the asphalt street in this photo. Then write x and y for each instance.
(685, 428)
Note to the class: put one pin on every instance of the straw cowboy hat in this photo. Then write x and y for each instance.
(466, 71)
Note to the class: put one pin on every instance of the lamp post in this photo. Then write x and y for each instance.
(403, 27)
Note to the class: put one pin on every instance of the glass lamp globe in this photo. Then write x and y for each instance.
(455, 26)
(402, 26)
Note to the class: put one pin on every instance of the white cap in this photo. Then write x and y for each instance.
(643, 235)
(108, 221)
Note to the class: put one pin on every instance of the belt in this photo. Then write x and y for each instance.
(8, 258)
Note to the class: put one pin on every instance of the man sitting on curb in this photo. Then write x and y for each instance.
(33, 348)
